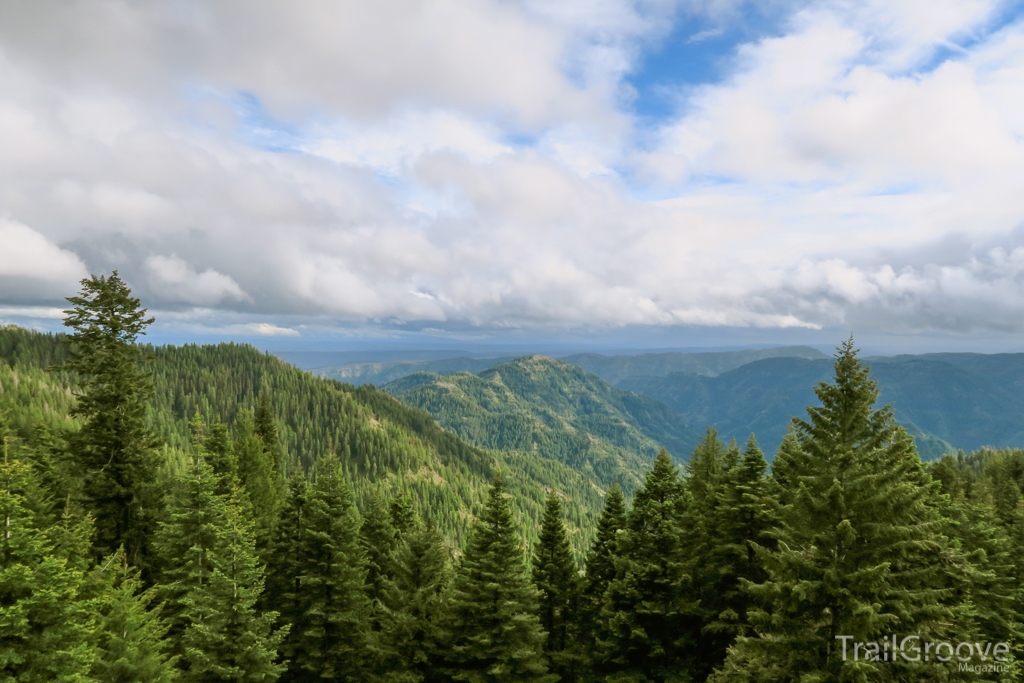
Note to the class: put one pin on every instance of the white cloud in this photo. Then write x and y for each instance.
(463, 164)
(175, 280)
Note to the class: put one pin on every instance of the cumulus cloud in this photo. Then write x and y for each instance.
(32, 267)
(477, 164)
(175, 280)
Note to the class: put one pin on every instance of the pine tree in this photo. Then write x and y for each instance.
(557, 578)
(45, 625)
(600, 572)
(744, 517)
(259, 478)
(378, 539)
(330, 636)
(115, 447)
(265, 428)
(413, 609)
(130, 632)
(650, 610)
(495, 635)
(860, 549)
(211, 582)
(283, 590)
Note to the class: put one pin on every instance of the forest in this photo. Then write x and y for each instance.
(208, 513)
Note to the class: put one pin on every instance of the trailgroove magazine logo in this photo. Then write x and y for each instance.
(985, 657)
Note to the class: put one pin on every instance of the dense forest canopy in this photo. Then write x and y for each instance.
(213, 514)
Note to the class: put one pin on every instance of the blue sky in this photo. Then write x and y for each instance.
(611, 173)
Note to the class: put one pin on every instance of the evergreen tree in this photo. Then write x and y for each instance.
(744, 517)
(265, 428)
(495, 635)
(413, 609)
(115, 447)
(649, 609)
(557, 578)
(283, 591)
(212, 581)
(860, 550)
(45, 625)
(129, 634)
(257, 474)
(330, 636)
(378, 539)
(600, 572)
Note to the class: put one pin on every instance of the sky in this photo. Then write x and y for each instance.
(507, 173)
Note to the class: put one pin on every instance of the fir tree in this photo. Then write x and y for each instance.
(600, 572)
(378, 539)
(649, 608)
(330, 634)
(130, 643)
(495, 635)
(115, 446)
(45, 625)
(265, 428)
(212, 582)
(557, 578)
(413, 609)
(257, 474)
(743, 519)
(860, 549)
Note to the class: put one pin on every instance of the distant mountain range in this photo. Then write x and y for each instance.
(612, 369)
(544, 407)
(948, 401)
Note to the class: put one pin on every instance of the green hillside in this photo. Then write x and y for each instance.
(384, 446)
(544, 406)
(947, 401)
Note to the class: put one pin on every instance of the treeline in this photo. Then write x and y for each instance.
(115, 568)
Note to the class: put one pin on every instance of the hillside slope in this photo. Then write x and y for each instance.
(540, 405)
(385, 446)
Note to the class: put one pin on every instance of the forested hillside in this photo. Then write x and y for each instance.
(210, 514)
(384, 446)
(947, 401)
(546, 408)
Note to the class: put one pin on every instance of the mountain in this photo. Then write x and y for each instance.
(557, 411)
(614, 369)
(385, 447)
(380, 371)
(948, 401)
(384, 372)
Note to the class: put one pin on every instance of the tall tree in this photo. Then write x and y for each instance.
(650, 608)
(745, 515)
(495, 635)
(378, 539)
(211, 583)
(255, 469)
(115, 447)
(413, 609)
(130, 643)
(860, 552)
(556, 576)
(45, 625)
(330, 635)
(600, 572)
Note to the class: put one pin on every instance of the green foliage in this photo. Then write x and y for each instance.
(211, 581)
(494, 633)
(45, 625)
(649, 607)
(600, 572)
(556, 576)
(860, 550)
(414, 604)
(130, 643)
(328, 609)
(115, 446)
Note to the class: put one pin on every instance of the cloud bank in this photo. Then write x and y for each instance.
(480, 164)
